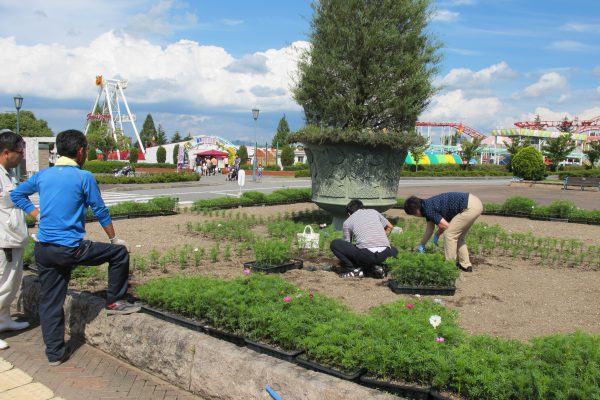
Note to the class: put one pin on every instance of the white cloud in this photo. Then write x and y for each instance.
(580, 28)
(570, 46)
(563, 98)
(455, 106)
(548, 83)
(232, 22)
(596, 71)
(183, 71)
(467, 78)
(598, 89)
(250, 63)
(445, 16)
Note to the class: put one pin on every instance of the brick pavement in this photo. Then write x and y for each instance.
(89, 374)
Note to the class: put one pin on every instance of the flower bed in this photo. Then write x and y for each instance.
(279, 196)
(419, 343)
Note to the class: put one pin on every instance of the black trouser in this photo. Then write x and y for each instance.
(352, 257)
(54, 263)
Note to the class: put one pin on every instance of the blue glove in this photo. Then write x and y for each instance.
(436, 238)
(421, 248)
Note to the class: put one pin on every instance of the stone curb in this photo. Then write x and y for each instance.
(203, 365)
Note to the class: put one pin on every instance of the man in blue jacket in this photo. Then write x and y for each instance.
(66, 191)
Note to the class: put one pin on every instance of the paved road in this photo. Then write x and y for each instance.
(216, 186)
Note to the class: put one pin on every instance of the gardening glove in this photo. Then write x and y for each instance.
(117, 241)
(436, 238)
(421, 248)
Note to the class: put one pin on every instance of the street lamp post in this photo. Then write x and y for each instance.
(18, 103)
(255, 112)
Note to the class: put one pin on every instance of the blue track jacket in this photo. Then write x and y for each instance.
(66, 192)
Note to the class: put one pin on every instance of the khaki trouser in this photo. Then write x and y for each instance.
(455, 235)
(11, 273)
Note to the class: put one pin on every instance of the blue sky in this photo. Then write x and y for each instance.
(201, 66)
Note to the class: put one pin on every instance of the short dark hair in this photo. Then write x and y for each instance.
(10, 141)
(412, 205)
(69, 142)
(354, 206)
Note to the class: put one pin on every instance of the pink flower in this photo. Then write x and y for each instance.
(439, 339)
(409, 306)
(287, 299)
(247, 271)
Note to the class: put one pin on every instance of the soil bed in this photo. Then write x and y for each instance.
(504, 296)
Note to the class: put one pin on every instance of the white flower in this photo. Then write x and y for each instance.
(196, 249)
(138, 245)
(435, 321)
(439, 301)
(417, 295)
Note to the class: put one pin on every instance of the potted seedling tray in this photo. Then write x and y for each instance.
(195, 326)
(270, 269)
(262, 348)
(407, 391)
(423, 290)
(315, 366)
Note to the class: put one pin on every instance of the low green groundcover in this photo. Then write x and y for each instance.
(414, 269)
(417, 341)
(250, 198)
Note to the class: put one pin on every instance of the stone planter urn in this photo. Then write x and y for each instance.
(341, 172)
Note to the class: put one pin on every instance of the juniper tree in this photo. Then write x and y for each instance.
(370, 64)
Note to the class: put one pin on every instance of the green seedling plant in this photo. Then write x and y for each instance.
(271, 252)
(428, 270)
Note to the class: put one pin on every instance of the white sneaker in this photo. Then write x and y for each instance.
(3, 345)
(8, 324)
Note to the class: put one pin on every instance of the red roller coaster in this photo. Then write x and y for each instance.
(583, 126)
(459, 126)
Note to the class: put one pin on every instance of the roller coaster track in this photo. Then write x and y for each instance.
(459, 126)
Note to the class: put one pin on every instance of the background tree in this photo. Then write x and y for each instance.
(528, 164)
(471, 150)
(92, 155)
(287, 156)
(176, 138)
(161, 154)
(148, 130)
(161, 136)
(243, 153)
(593, 152)
(175, 153)
(100, 137)
(370, 64)
(29, 125)
(558, 149)
(282, 134)
(516, 144)
(187, 138)
(133, 154)
(417, 152)
(538, 122)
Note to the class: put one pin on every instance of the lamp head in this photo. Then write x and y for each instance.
(18, 101)
(255, 112)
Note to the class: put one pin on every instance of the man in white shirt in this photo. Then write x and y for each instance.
(13, 231)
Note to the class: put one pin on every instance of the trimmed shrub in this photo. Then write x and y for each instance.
(92, 155)
(175, 153)
(528, 164)
(161, 154)
(287, 156)
(133, 155)
(302, 173)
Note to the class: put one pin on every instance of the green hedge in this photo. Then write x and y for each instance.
(394, 341)
(302, 173)
(455, 170)
(250, 198)
(160, 177)
(594, 173)
(563, 209)
(106, 167)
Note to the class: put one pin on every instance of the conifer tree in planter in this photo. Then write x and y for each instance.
(362, 84)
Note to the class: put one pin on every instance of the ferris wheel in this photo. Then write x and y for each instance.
(109, 98)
